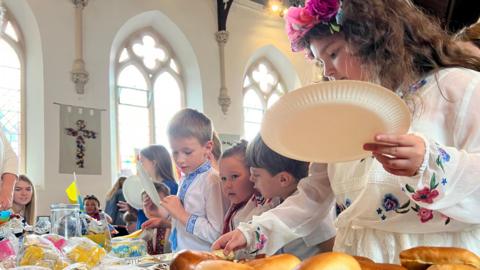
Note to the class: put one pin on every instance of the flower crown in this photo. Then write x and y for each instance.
(300, 20)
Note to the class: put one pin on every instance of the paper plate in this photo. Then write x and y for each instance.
(331, 121)
(147, 184)
(132, 191)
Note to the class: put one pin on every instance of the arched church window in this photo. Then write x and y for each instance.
(262, 87)
(149, 91)
(12, 90)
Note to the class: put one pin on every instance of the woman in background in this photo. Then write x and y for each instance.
(158, 164)
(114, 196)
(24, 199)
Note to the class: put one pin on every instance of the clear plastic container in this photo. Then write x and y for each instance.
(65, 220)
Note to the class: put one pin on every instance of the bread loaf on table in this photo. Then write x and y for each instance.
(222, 265)
(330, 261)
(450, 267)
(380, 266)
(361, 259)
(188, 260)
(420, 258)
(275, 262)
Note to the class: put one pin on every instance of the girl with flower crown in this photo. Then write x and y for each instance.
(420, 188)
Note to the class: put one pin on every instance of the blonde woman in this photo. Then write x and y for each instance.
(114, 196)
(24, 199)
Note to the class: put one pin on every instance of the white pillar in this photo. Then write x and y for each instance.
(79, 74)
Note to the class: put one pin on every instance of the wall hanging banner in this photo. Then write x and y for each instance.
(80, 140)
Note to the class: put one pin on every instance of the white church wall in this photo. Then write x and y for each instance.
(191, 25)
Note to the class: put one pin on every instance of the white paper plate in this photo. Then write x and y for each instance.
(147, 184)
(331, 121)
(132, 191)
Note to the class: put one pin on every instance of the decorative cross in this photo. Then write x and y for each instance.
(80, 133)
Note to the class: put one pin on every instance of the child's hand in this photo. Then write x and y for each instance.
(230, 241)
(173, 205)
(149, 207)
(155, 223)
(123, 206)
(399, 154)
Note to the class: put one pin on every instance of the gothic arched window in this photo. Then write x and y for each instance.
(149, 91)
(262, 87)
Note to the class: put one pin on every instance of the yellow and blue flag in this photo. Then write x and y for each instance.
(73, 194)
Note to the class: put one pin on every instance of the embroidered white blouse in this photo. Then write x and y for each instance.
(205, 202)
(380, 214)
(303, 247)
(250, 209)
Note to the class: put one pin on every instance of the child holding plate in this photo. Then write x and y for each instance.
(420, 188)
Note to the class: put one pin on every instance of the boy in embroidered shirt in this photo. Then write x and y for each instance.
(198, 208)
(277, 176)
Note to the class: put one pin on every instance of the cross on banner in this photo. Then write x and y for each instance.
(80, 140)
(80, 133)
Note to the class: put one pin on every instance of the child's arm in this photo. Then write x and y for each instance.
(449, 181)
(295, 218)
(174, 206)
(208, 226)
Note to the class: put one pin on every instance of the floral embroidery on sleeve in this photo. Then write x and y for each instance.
(390, 204)
(423, 213)
(259, 241)
(442, 158)
(428, 194)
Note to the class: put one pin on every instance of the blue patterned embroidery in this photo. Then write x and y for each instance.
(444, 181)
(442, 158)
(173, 240)
(187, 181)
(444, 155)
(414, 87)
(191, 223)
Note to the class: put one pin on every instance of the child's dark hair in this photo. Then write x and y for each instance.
(129, 217)
(259, 155)
(239, 149)
(93, 198)
(191, 123)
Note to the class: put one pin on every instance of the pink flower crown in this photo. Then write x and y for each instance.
(300, 20)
